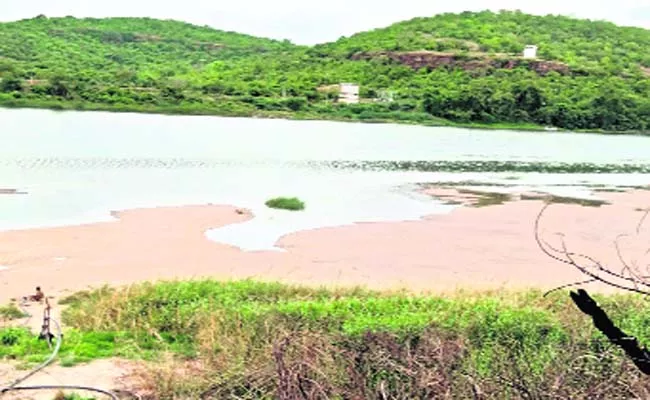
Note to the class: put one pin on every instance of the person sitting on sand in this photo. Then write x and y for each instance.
(35, 297)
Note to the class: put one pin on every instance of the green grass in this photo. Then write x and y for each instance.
(78, 347)
(286, 203)
(10, 312)
(233, 329)
(177, 312)
(62, 396)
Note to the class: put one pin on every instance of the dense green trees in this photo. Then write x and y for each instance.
(600, 47)
(152, 65)
(11, 83)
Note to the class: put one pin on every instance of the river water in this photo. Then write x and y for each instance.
(76, 167)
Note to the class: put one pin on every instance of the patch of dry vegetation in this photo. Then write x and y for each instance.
(250, 340)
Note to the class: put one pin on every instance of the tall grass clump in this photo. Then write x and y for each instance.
(10, 312)
(257, 340)
(286, 203)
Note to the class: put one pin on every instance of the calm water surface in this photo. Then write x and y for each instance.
(77, 167)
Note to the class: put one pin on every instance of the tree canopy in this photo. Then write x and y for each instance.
(450, 68)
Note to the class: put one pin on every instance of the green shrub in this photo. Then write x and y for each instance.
(286, 203)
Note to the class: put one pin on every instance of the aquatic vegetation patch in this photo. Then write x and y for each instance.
(484, 199)
(286, 203)
(554, 199)
(478, 198)
(491, 166)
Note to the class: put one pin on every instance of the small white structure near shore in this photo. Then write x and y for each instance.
(349, 93)
(530, 51)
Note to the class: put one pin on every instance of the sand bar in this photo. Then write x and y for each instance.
(473, 248)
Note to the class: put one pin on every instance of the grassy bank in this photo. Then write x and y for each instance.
(243, 110)
(258, 340)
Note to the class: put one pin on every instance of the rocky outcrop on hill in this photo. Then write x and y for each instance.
(468, 62)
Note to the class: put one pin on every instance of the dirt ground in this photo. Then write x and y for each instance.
(103, 374)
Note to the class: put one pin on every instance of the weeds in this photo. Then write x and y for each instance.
(10, 312)
(252, 340)
(63, 396)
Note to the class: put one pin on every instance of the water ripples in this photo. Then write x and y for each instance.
(490, 166)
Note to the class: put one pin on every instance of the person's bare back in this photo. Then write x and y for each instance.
(35, 297)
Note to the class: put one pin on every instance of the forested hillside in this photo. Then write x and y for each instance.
(449, 69)
(119, 52)
(592, 46)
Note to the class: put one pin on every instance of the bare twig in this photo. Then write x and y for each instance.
(630, 274)
(640, 224)
(568, 285)
(570, 259)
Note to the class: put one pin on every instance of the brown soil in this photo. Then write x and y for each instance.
(103, 374)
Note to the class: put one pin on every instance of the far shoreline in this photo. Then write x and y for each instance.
(62, 106)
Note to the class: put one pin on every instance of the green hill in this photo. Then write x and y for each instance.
(117, 50)
(121, 41)
(450, 69)
(592, 46)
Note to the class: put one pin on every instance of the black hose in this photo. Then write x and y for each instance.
(43, 365)
(59, 339)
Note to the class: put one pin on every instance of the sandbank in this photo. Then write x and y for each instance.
(471, 248)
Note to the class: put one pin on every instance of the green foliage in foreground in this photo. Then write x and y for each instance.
(73, 397)
(233, 328)
(147, 65)
(286, 203)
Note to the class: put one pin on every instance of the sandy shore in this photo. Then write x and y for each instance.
(474, 248)
(104, 374)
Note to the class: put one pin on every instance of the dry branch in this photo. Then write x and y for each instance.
(640, 356)
(629, 279)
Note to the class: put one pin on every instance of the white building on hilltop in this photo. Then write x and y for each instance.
(530, 51)
(349, 93)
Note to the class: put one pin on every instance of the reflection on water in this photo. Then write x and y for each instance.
(76, 167)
